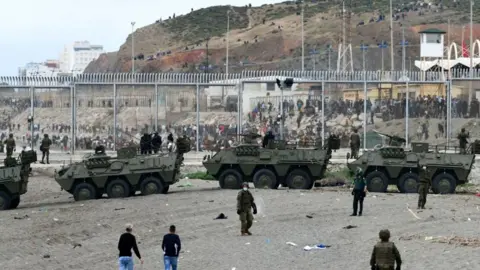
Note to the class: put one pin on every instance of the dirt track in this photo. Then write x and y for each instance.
(55, 224)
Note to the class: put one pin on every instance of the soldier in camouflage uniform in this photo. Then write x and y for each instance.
(385, 254)
(354, 144)
(245, 203)
(423, 187)
(463, 140)
(10, 143)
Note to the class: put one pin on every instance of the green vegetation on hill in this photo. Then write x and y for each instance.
(206, 22)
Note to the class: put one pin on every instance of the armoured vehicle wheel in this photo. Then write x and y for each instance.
(151, 185)
(444, 183)
(299, 179)
(5, 201)
(408, 183)
(377, 181)
(230, 179)
(15, 202)
(118, 188)
(264, 178)
(84, 191)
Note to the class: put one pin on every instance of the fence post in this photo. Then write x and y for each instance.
(240, 108)
(197, 131)
(72, 126)
(32, 112)
(407, 113)
(365, 111)
(323, 112)
(114, 117)
(449, 111)
(156, 108)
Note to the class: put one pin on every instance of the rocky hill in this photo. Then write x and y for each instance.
(269, 37)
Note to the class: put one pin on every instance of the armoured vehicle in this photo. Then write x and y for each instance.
(391, 164)
(14, 179)
(124, 175)
(278, 163)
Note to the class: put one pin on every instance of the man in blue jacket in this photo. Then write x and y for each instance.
(171, 247)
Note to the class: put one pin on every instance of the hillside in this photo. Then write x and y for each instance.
(269, 37)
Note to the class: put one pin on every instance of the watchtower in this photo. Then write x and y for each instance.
(432, 43)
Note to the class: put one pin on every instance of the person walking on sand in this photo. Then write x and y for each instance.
(385, 254)
(126, 243)
(245, 203)
(171, 247)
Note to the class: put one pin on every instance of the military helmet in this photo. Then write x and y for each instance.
(245, 184)
(359, 171)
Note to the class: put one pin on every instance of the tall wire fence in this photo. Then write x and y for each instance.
(116, 109)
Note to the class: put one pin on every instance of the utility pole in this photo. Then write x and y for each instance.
(382, 47)
(303, 36)
(313, 55)
(207, 64)
(228, 42)
(470, 96)
(404, 43)
(228, 35)
(133, 78)
(133, 47)
(363, 48)
(329, 50)
(392, 68)
(344, 30)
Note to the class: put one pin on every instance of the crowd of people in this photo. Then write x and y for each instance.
(263, 117)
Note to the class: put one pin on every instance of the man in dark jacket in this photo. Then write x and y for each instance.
(45, 148)
(126, 243)
(463, 140)
(171, 247)
(156, 142)
(385, 254)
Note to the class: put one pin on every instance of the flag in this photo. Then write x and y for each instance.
(465, 50)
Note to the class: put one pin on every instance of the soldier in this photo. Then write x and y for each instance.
(2, 147)
(10, 142)
(354, 144)
(385, 254)
(423, 187)
(267, 138)
(45, 148)
(144, 143)
(156, 142)
(462, 140)
(359, 192)
(245, 203)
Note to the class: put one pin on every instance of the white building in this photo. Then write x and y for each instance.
(76, 57)
(49, 68)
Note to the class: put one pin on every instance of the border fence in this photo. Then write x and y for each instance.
(80, 90)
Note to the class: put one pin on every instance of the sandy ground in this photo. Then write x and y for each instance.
(49, 222)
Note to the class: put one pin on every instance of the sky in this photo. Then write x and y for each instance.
(34, 31)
